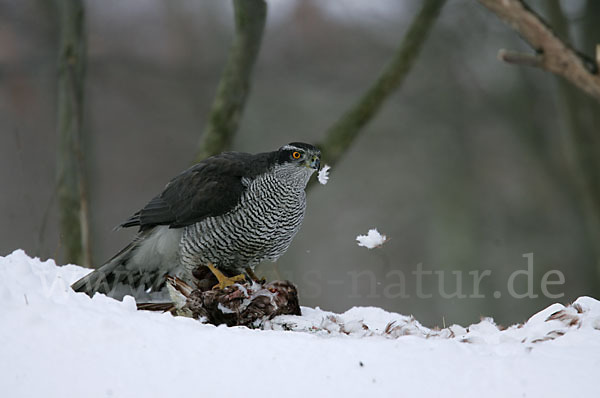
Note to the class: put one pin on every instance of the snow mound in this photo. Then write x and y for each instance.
(56, 343)
(549, 324)
(372, 239)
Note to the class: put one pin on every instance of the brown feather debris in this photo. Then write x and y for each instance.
(242, 304)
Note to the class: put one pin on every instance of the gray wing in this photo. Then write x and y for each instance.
(209, 188)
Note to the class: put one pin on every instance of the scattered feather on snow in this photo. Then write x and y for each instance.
(224, 309)
(372, 239)
(324, 174)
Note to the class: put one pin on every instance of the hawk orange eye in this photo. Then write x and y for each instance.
(296, 155)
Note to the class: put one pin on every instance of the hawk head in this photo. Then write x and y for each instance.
(300, 154)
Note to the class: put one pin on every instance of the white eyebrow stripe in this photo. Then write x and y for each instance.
(291, 147)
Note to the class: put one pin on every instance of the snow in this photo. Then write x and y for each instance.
(323, 175)
(58, 343)
(372, 239)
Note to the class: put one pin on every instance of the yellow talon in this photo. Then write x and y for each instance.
(224, 281)
(253, 276)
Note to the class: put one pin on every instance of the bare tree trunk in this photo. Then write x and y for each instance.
(342, 134)
(72, 187)
(581, 140)
(228, 105)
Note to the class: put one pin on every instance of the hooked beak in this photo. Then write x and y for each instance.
(315, 163)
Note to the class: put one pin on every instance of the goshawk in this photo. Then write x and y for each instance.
(231, 211)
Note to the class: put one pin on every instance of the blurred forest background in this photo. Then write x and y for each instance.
(469, 165)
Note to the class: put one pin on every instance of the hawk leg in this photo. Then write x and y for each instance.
(253, 276)
(224, 281)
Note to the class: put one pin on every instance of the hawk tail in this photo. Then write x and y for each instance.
(139, 269)
(106, 278)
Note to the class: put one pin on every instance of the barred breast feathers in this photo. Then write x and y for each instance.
(261, 227)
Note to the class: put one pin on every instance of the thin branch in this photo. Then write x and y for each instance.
(72, 186)
(516, 58)
(554, 55)
(340, 136)
(228, 105)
